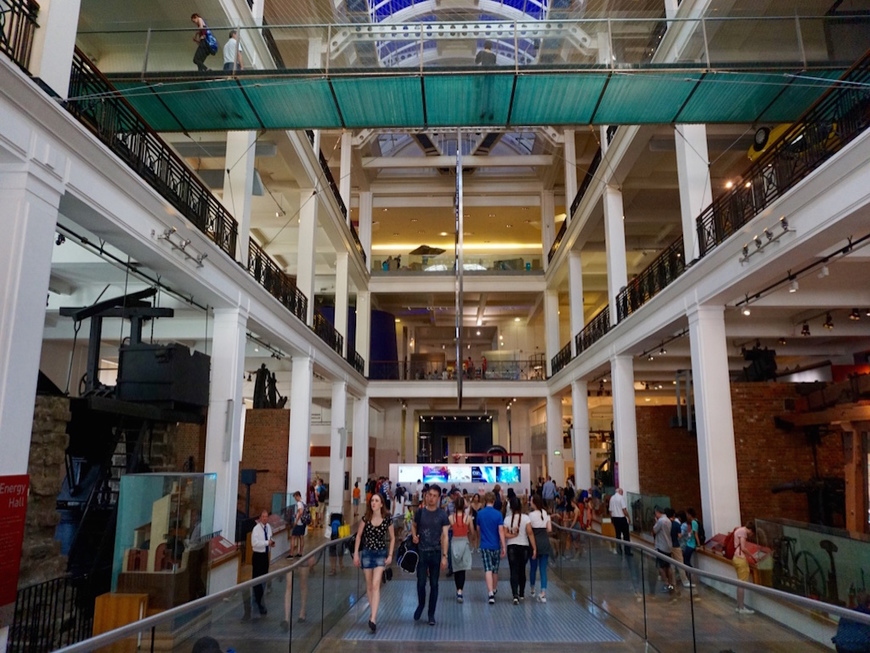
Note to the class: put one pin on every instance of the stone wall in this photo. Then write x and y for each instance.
(41, 559)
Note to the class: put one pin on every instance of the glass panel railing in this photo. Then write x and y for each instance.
(497, 370)
(444, 264)
(778, 38)
(642, 509)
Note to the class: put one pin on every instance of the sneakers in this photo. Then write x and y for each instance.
(516, 600)
(491, 598)
(431, 621)
(745, 611)
(459, 597)
(532, 593)
(670, 588)
(418, 613)
(542, 598)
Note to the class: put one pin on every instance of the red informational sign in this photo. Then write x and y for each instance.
(13, 510)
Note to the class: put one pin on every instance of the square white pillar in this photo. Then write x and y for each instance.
(238, 185)
(300, 425)
(693, 174)
(580, 444)
(359, 463)
(345, 169)
(555, 464)
(614, 241)
(625, 422)
(341, 301)
(363, 327)
(551, 323)
(305, 249)
(575, 296)
(337, 446)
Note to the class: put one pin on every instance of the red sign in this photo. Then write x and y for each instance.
(13, 510)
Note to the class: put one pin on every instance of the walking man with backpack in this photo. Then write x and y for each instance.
(429, 533)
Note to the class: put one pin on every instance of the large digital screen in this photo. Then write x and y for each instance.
(483, 474)
(410, 473)
(508, 474)
(436, 474)
(459, 473)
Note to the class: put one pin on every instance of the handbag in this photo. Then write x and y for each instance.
(344, 530)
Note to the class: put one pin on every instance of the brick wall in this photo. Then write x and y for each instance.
(766, 456)
(266, 446)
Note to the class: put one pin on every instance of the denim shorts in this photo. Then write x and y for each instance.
(369, 558)
(491, 559)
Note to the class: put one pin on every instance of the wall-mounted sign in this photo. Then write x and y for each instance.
(13, 510)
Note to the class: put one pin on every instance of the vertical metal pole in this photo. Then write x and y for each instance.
(238, 49)
(459, 268)
(516, 49)
(610, 44)
(706, 44)
(328, 46)
(147, 49)
(800, 39)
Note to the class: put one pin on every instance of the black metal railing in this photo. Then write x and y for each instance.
(658, 275)
(96, 104)
(17, 26)
(357, 361)
(584, 186)
(561, 359)
(326, 332)
(426, 370)
(594, 330)
(278, 283)
(834, 120)
(52, 614)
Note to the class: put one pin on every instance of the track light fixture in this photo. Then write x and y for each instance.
(761, 243)
(747, 311)
(805, 329)
(60, 240)
(855, 315)
(794, 286)
(829, 323)
(824, 272)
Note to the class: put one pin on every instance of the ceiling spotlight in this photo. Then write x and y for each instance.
(854, 315)
(829, 323)
(60, 240)
(767, 234)
(805, 329)
(793, 287)
(757, 241)
(867, 312)
(256, 348)
(729, 184)
(249, 377)
(782, 341)
(650, 357)
(746, 250)
(663, 351)
(783, 223)
(824, 272)
(747, 311)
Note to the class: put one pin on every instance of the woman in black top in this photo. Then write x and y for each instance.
(375, 541)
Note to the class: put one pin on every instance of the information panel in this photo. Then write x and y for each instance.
(13, 510)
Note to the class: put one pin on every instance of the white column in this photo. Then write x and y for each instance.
(337, 446)
(54, 42)
(364, 326)
(555, 464)
(570, 170)
(604, 57)
(300, 425)
(580, 448)
(305, 249)
(551, 323)
(238, 185)
(257, 11)
(693, 173)
(359, 464)
(548, 222)
(365, 223)
(341, 299)
(614, 241)
(575, 296)
(315, 52)
(223, 440)
(671, 8)
(344, 170)
(717, 459)
(625, 422)
(29, 219)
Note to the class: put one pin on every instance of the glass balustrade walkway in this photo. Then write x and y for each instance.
(423, 75)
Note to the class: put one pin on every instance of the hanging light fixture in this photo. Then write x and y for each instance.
(829, 323)
(794, 286)
(805, 329)
(855, 315)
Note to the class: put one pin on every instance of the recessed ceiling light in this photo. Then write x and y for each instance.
(516, 319)
(443, 233)
(492, 215)
(413, 219)
(385, 210)
(478, 332)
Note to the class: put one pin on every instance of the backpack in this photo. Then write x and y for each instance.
(211, 41)
(305, 519)
(702, 536)
(406, 556)
(334, 527)
(730, 545)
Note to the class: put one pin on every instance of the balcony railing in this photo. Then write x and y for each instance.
(94, 101)
(825, 128)
(512, 370)
(326, 332)
(659, 274)
(584, 186)
(17, 26)
(49, 615)
(278, 283)
(357, 361)
(561, 359)
(597, 327)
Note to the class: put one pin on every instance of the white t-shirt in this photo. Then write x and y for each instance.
(230, 50)
(539, 520)
(520, 523)
(617, 505)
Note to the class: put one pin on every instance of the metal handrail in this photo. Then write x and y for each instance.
(594, 330)
(561, 359)
(51, 614)
(659, 274)
(532, 369)
(278, 283)
(834, 120)
(17, 27)
(94, 101)
(326, 332)
(357, 361)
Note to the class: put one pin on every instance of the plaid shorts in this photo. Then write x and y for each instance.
(491, 559)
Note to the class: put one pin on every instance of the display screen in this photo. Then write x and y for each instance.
(483, 474)
(460, 473)
(436, 474)
(508, 474)
(410, 473)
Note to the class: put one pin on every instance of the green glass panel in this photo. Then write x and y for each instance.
(556, 99)
(799, 95)
(148, 105)
(455, 100)
(732, 97)
(379, 101)
(283, 103)
(644, 98)
(212, 105)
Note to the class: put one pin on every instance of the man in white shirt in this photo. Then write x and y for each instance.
(261, 543)
(233, 52)
(619, 518)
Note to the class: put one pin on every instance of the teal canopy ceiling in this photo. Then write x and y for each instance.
(254, 100)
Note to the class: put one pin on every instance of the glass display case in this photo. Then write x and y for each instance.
(641, 508)
(165, 523)
(822, 563)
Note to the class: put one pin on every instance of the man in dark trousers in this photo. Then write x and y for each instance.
(261, 543)
(429, 533)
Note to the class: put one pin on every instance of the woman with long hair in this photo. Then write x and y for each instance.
(516, 532)
(542, 526)
(461, 524)
(375, 542)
